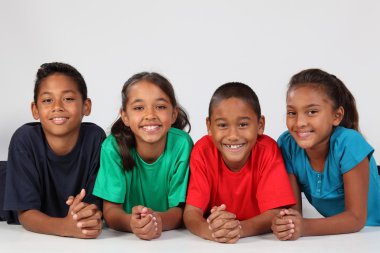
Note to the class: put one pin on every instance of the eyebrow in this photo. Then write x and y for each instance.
(139, 100)
(307, 106)
(240, 118)
(64, 92)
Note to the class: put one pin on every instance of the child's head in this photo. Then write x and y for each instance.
(48, 69)
(60, 100)
(234, 122)
(317, 102)
(149, 108)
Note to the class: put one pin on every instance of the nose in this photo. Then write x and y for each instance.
(57, 106)
(150, 114)
(233, 133)
(301, 120)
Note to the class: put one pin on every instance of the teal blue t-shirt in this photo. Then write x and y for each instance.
(159, 185)
(325, 190)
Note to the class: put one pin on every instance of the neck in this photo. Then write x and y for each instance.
(62, 145)
(317, 156)
(150, 152)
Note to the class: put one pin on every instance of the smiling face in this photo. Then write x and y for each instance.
(60, 107)
(311, 118)
(234, 127)
(149, 114)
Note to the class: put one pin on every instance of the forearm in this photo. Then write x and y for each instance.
(342, 223)
(38, 222)
(172, 218)
(197, 224)
(117, 219)
(259, 224)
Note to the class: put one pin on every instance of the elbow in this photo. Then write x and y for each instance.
(359, 222)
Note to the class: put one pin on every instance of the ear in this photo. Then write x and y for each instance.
(87, 107)
(338, 116)
(34, 109)
(124, 117)
(208, 125)
(261, 125)
(175, 114)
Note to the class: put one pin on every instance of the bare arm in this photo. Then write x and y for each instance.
(171, 219)
(116, 217)
(86, 224)
(353, 218)
(259, 224)
(196, 223)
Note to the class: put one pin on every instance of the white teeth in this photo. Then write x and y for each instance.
(236, 146)
(60, 120)
(150, 128)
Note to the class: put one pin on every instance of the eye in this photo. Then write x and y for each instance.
(312, 112)
(161, 107)
(243, 124)
(221, 125)
(138, 108)
(69, 99)
(290, 113)
(47, 101)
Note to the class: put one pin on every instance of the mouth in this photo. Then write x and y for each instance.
(59, 120)
(150, 128)
(303, 134)
(234, 147)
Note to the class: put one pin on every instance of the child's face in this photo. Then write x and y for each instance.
(60, 107)
(149, 114)
(310, 117)
(234, 127)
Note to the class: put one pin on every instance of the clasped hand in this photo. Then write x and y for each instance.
(223, 225)
(83, 219)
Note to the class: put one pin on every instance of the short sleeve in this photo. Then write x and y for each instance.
(199, 189)
(179, 179)
(286, 144)
(110, 182)
(22, 188)
(350, 148)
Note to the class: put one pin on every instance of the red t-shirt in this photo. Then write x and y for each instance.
(261, 184)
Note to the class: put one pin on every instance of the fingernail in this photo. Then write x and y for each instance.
(75, 216)
(79, 225)
(209, 227)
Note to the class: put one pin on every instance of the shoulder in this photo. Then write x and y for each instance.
(349, 147)
(92, 130)
(205, 145)
(28, 133)
(177, 137)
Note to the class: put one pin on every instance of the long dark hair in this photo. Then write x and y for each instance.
(334, 89)
(124, 136)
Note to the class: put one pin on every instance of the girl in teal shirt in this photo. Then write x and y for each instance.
(327, 159)
(144, 163)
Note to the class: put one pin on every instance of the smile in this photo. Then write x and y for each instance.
(234, 147)
(59, 120)
(150, 128)
(304, 134)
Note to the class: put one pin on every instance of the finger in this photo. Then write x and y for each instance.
(78, 207)
(90, 224)
(282, 221)
(70, 200)
(283, 228)
(222, 207)
(285, 235)
(91, 232)
(78, 198)
(90, 211)
(142, 222)
(219, 217)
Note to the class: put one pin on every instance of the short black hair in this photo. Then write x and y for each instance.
(237, 90)
(48, 69)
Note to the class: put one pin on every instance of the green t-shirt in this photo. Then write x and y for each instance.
(159, 185)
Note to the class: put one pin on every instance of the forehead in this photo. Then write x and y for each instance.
(58, 83)
(307, 95)
(232, 108)
(145, 90)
